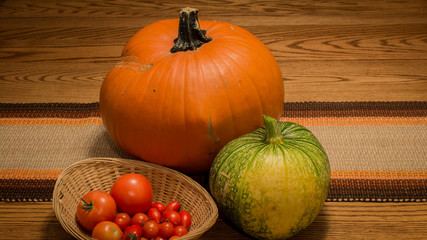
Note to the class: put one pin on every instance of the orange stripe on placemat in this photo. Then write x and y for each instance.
(51, 121)
(382, 175)
(24, 174)
(357, 121)
(334, 121)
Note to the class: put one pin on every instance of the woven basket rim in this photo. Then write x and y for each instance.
(192, 234)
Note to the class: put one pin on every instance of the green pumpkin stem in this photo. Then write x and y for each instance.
(190, 36)
(273, 131)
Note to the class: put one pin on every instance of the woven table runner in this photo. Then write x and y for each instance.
(377, 150)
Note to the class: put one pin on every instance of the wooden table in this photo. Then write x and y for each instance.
(60, 51)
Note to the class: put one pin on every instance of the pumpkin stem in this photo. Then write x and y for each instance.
(273, 131)
(190, 36)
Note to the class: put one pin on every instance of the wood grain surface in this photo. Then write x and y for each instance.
(337, 220)
(60, 51)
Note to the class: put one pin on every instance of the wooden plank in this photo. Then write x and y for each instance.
(360, 80)
(52, 82)
(337, 220)
(363, 80)
(239, 11)
(360, 220)
(345, 42)
(27, 42)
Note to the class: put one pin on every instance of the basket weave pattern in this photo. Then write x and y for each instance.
(100, 174)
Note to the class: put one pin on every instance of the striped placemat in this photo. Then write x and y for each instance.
(377, 150)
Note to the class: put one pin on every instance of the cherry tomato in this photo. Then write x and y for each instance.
(132, 232)
(150, 229)
(172, 217)
(166, 229)
(173, 237)
(133, 193)
(185, 219)
(180, 231)
(154, 214)
(174, 206)
(107, 230)
(160, 238)
(95, 206)
(139, 218)
(160, 206)
(123, 220)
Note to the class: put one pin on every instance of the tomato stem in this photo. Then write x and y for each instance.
(273, 131)
(190, 36)
(133, 236)
(87, 206)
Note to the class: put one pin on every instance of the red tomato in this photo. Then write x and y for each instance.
(160, 238)
(132, 232)
(174, 206)
(150, 229)
(107, 230)
(123, 220)
(154, 214)
(185, 219)
(133, 193)
(160, 206)
(173, 237)
(96, 206)
(140, 219)
(180, 231)
(166, 229)
(172, 217)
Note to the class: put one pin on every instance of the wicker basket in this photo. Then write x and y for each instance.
(100, 173)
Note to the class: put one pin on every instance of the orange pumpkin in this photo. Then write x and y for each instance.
(180, 93)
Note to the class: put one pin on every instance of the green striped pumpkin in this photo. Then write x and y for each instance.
(272, 182)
